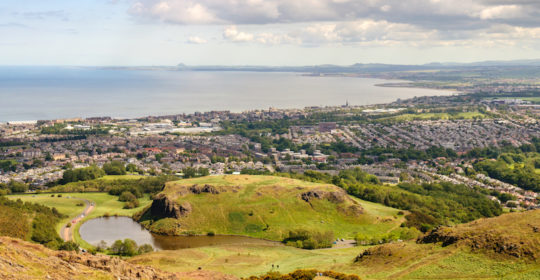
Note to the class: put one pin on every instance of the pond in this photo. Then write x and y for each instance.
(110, 229)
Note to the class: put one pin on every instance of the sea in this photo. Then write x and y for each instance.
(45, 93)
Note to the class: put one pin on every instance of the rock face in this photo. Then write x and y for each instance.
(164, 207)
(196, 189)
(115, 266)
(334, 196)
(309, 195)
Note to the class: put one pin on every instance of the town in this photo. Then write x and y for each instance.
(408, 140)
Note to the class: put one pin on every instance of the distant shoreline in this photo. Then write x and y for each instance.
(45, 94)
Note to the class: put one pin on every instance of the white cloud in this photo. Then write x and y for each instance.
(314, 22)
(196, 40)
(501, 12)
(185, 12)
(231, 33)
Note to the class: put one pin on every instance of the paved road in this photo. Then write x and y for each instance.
(67, 232)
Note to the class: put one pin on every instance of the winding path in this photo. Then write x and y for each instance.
(67, 232)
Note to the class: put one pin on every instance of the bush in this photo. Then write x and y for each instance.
(304, 274)
(69, 246)
(403, 233)
(131, 204)
(82, 174)
(306, 239)
(127, 196)
(129, 248)
(101, 246)
(114, 168)
(146, 248)
(17, 187)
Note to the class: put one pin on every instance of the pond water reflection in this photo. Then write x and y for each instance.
(110, 229)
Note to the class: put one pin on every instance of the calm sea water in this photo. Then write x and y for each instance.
(33, 93)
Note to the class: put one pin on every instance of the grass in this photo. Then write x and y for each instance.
(399, 260)
(32, 261)
(122, 177)
(268, 207)
(67, 205)
(413, 261)
(15, 223)
(438, 116)
(246, 260)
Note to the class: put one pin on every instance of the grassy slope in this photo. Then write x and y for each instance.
(104, 202)
(32, 261)
(276, 202)
(15, 223)
(24, 260)
(416, 261)
(407, 260)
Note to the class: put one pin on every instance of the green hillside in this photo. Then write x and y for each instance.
(504, 247)
(29, 221)
(263, 206)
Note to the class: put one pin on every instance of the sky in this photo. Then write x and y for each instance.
(266, 32)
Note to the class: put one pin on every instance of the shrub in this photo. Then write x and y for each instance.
(146, 248)
(129, 248)
(305, 239)
(69, 246)
(114, 168)
(127, 196)
(305, 274)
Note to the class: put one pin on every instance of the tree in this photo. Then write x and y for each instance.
(117, 247)
(159, 157)
(17, 187)
(127, 247)
(146, 248)
(114, 168)
(101, 246)
(132, 168)
(127, 196)
(69, 246)
(130, 247)
(82, 174)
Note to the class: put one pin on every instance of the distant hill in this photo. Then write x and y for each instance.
(361, 67)
(263, 206)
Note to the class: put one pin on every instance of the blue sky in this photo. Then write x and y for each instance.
(266, 32)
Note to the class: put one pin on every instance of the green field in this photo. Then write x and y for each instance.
(485, 250)
(268, 207)
(67, 205)
(437, 116)
(122, 177)
(413, 261)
